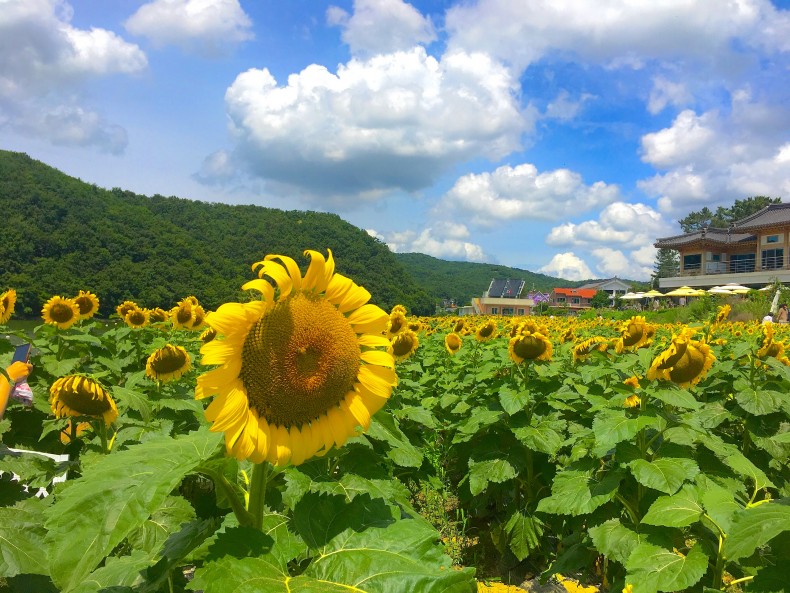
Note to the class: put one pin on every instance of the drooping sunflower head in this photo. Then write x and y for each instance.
(399, 309)
(7, 303)
(486, 331)
(685, 362)
(633, 381)
(60, 312)
(88, 304)
(168, 363)
(183, 314)
(300, 369)
(459, 326)
(415, 325)
(403, 345)
(396, 324)
(158, 315)
(75, 395)
(193, 300)
(583, 349)
(453, 342)
(125, 307)
(199, 317)
(208, 334)
(722, 313)
(635, 333)
(529, 346)
(136, 318)
(632, 401)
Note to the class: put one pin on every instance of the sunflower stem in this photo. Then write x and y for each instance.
(258, 482)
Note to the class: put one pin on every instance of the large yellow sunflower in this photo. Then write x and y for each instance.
(75, 395)
(168, 363)
(404, 344)
(88, 304)
(7, 303)
(61, 312)
(769, 347)
(685, 361)
(301, 368)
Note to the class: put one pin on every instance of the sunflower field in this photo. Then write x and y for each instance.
(305, 440)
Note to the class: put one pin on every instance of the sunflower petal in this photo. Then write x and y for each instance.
(292, 267)
(280, 276)
(357, 408)
(379, 358)
(368, 319)
(261, 285)
(338, 286)
(371, 341)
(298, 444)
(353, 299)
(314, 278)
(230, 318)
(337, 425)
(377, 385)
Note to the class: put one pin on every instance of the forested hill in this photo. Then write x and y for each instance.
(61, 235)
(460, 281)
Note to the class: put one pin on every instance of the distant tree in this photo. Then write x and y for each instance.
(722, 218)
(600, 300)
(667, 264)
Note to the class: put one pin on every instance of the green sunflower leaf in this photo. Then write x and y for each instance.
(167, 519)
(679, 510)
(22, 542)
(513, 401)
(760, 402)
(385, 428)
(680, 398)
(114, 497)
(756, 526)
(119, 573)
(578, 491)
(658, 569)
(132, 399)
(490, 470)
(614, 540)
(355, 545)
(524, 533)
(665, 474)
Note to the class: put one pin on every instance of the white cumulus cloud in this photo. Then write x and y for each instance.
(382, 26)
(716, 157)
(614, 262)
(522, 192)
(394, 121)
(628, 225)
(45, 60)
(622, 31)
(207, 27)
(568, 266)
(443, 240)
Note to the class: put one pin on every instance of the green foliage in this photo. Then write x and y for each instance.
(724, 216)
(600, 300)
(63, 235)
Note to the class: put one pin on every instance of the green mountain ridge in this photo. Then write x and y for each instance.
(62, 235)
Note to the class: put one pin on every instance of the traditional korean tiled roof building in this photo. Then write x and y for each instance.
(753, 251)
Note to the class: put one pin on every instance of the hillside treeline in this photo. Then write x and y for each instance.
(61, 235)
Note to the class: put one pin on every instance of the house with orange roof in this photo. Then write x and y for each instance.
(573, 299)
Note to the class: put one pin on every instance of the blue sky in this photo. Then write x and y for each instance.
(560, 136)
